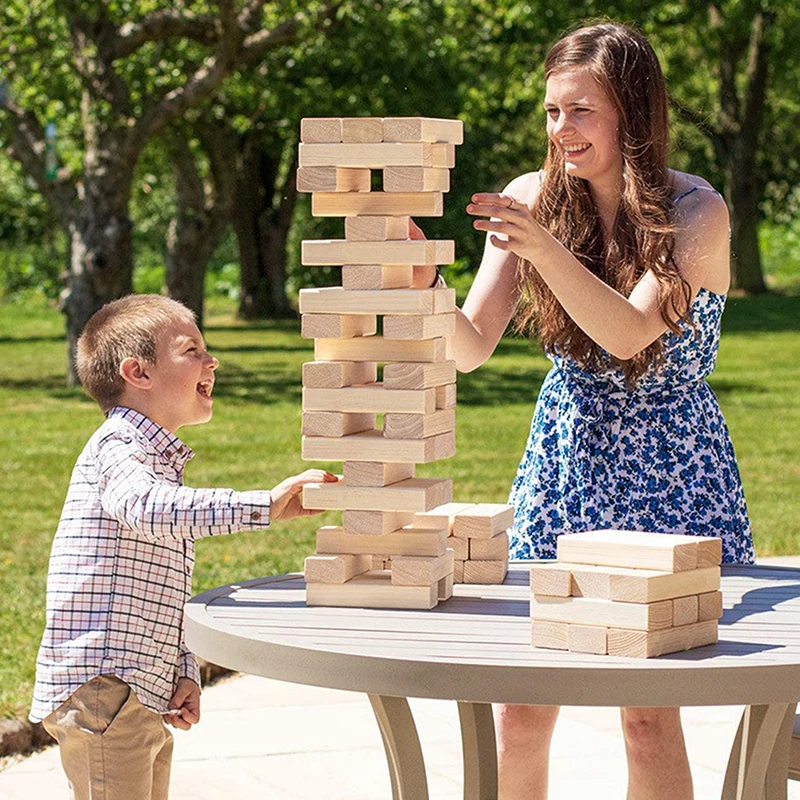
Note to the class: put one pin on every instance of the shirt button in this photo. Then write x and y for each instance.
(255, 516)
(168, 453)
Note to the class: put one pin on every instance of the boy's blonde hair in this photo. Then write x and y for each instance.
(125, 328)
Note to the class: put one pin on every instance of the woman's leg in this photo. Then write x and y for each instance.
(523, 745)
(657, 763)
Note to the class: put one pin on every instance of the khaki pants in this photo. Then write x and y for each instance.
(112, 747)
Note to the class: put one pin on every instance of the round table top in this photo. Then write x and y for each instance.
(476, 646)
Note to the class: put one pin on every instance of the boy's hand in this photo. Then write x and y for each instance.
(424, 274)
(286, 496)
(184, 705)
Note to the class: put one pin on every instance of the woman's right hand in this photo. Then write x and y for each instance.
(424, 274)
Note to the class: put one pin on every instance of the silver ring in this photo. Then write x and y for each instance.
(511, 203)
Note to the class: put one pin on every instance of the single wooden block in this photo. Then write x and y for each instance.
(587, 639)
(337, 326)
(416, 179)
(647, 644)
(362, 129)
(370, 398)
(407, 542)
(422, 129)
(685, 610)
(376, 348)
(334, 423)
(607, 613)
(446, 587)
(483, 520)
(550, 578)
(647, 586)
(419, 327)
(375, 473)
(372, 590)
(460, 547)
(446, 396)
(335, 300)
(333, 179)
(358, 204)
(360, 277)
(338, 374)
(709, 551)
(375, 229)
(412, 494)
(443, 517)
(418, 376)
(321, 129)
(709, 606)
(335, 568)
(494, 549)
(378, 155)
(458, 571)
(419, 426)
(421, 570)
(326, 252)
(372, 446)
(485, 571)
(551, 635)
(591, 582)
(659, 551)
(376, 523)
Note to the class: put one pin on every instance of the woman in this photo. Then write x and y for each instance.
(622, 267)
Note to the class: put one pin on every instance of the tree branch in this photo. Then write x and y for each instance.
(690, 115)
(160, 26)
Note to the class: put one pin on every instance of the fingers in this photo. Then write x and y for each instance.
(175, 718)
(497, 227)
(496, 205)
(414, 230)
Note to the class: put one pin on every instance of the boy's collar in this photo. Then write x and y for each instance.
(166, 444)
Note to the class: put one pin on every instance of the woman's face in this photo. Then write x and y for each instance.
(582, 123)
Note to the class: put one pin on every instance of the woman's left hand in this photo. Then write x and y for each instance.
(520, 233)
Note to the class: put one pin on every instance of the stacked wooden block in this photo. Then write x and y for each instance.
(628, 593)
(342, 394)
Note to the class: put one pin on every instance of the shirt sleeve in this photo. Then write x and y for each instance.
(188, 666)
(157, 510)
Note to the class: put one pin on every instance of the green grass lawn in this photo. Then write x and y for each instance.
(254, 442)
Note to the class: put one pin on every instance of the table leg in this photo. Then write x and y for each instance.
(754, 750)
(403, 751)
(480, 751)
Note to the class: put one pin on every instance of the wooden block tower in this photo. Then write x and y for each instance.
(342, 395)
(628, 593)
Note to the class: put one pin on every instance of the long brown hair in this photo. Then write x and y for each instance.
(624, 64)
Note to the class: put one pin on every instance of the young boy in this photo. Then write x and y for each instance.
(113, 667)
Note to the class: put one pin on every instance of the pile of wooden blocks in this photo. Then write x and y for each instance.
(342, 394)
(627, 593)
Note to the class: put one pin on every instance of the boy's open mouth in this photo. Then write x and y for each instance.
(205, 388)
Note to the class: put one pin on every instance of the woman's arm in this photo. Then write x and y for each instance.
(623, 326)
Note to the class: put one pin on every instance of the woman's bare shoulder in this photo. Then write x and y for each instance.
(684, 181)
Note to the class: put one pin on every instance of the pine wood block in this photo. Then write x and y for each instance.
(441, 517)
(648, 586)
(685, 610)
(421, 570)
(423, 129)
(709, 606)
(416, 179)
(376, 523)
(335, 568)
(485, 571)
(483, 520)
(608, 613)
(550, 635)
(446, 587)
(372, 446)
(337, 326)
(458, 571)
(408, 542)
(370, 398)
(460, 547)
(372, 590)
(378, 155)
(419, 426)
(333, 179)
(334, 423)
(418, 376)
(335, 300)
(412, 494)
(338, 374)
(429, 326)
(593, 582)
(362, 129)
(325, 252)
(370, 204)
(321, 129)
(360, 277)
(709, 552)
(494, 549)
(376, 229)
(587, 639)
(647, 644)
(376, 348)
(552, 579)
(375, 473)
(446, 396)
(659, 551)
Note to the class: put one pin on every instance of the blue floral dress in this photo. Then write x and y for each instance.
(654, 458)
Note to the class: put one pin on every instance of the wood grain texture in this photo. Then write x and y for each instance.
(494, 549)
(421, 570)
(446, 396)
(416, 179)
(372, 446)
(336, 375)
(412, 494)
(709, 606)
(376, 523)
(321, 129)
(609, 614)
(337, 326)
(372, 590)
(371, 397)
(335, 568)
(335, 424)
(333, 179)
(483, 520)
(335, 300)
(376, 277)
(460, 547)
(376, 348)
(552, 579)
(377, 155)
(376, 229)
(407, 541)
(550, 635)
(423, 129)
(419, 376)
(485, 571)
(587, 639)
(335, 252)
(356, 130)
(430, 326)
(376, 473)
(685, 610)
(356, 204)
(419, 426)
(647, 644)
(441, 517)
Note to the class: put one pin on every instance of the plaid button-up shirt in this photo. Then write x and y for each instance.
(121, 563)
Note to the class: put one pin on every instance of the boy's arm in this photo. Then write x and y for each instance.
(188, 666)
